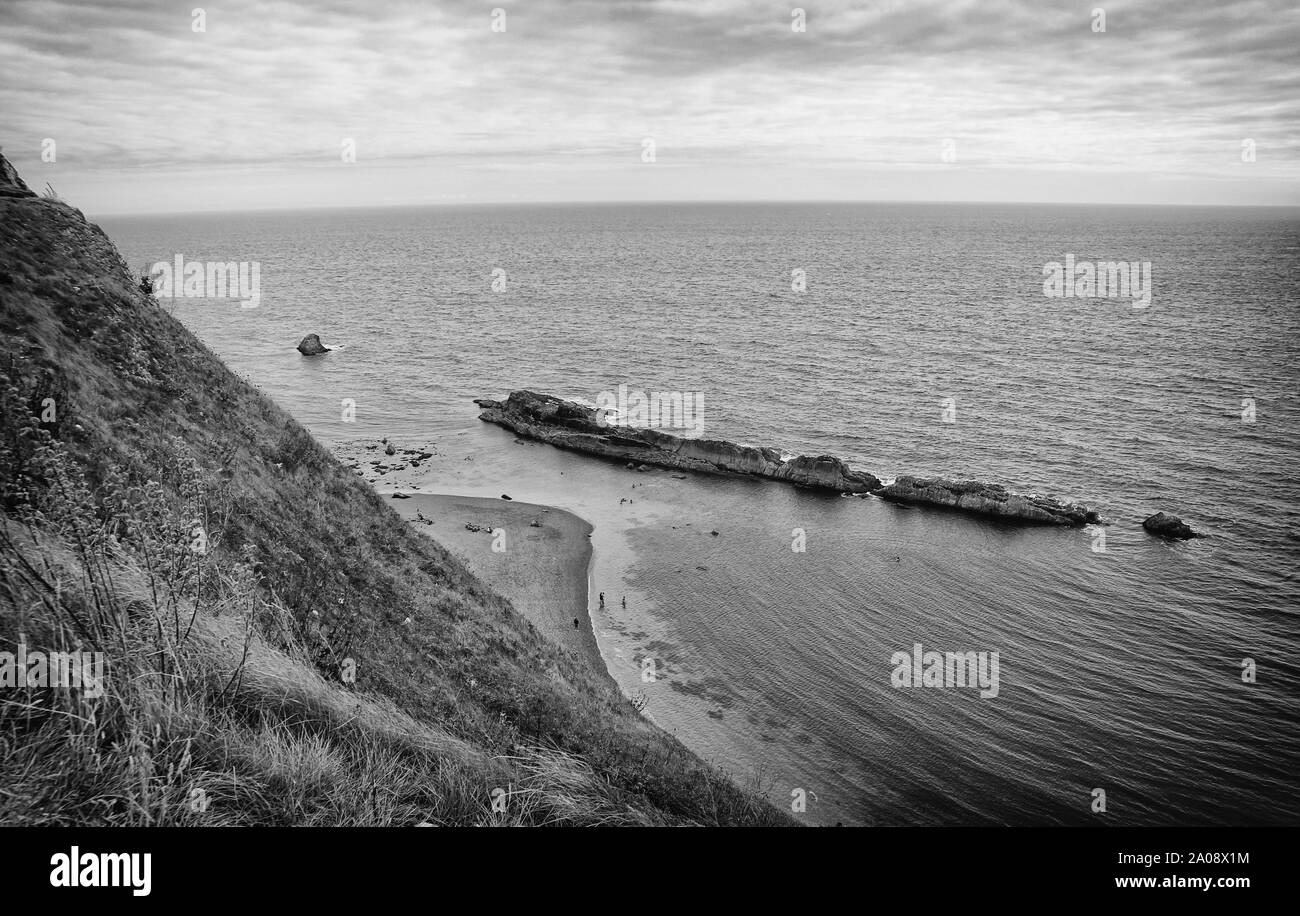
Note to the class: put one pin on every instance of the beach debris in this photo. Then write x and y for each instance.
(1170, 526)
(311, 346)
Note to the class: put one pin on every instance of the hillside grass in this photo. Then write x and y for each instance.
(250, 593)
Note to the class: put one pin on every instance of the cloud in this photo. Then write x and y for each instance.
(1168, 91)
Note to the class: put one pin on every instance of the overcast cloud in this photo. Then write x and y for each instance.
(149, 115)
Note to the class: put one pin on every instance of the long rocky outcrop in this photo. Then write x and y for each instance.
(569, 425)
(986, 499)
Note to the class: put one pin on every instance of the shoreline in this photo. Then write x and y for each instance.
(543, 562)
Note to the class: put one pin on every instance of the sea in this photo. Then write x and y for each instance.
(1139, 681)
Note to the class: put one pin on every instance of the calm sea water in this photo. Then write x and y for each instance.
(1119, 670)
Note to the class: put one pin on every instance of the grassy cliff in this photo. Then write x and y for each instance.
(279, 647)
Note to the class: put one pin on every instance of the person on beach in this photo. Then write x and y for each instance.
(602, 599)
(625, 602)
(575, 623)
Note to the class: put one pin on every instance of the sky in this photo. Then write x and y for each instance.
(131, 107)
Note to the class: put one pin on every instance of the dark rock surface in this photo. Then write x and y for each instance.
(11, 185)
(987, 499)
(311, 346)
(1170, 526)
(568, 425)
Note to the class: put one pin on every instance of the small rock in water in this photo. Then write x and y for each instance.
(1170, 526)
(311, 346)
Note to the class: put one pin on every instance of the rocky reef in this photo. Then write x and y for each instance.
(987, 499)
(569, 425)
(1170, 526)
(573, 426)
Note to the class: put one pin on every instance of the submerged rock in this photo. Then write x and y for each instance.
(311, 346)
(1170, 526)
(987, 499)
(566, 424)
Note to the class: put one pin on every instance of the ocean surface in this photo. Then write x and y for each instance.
(1120, 669)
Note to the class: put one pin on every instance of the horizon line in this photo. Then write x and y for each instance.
(688, 201)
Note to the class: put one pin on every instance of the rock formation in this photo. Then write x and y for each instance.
(311, 346)
(11, 185)
(573, 426)
(986, 499)
(1170, 526)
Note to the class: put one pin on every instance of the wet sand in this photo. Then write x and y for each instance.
(542, 570)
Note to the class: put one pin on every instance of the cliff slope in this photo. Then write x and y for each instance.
(278, 646)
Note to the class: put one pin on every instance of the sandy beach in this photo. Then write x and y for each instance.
(543, 568)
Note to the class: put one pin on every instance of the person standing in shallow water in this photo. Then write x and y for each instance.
(625, 602)
(602, 599)
(575, 623)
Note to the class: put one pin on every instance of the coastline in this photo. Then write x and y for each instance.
(544, 569)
